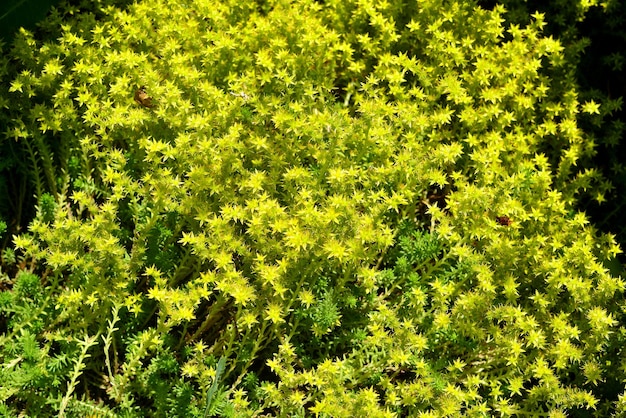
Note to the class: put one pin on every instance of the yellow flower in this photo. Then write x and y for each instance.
(274, 313)
(248, 319)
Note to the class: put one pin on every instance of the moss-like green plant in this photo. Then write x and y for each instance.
(293, 208)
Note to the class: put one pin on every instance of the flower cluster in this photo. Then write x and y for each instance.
(295, 208)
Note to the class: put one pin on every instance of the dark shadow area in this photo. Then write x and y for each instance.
(602, 75)
(17, 13)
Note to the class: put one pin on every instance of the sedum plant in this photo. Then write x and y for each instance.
(290, 208)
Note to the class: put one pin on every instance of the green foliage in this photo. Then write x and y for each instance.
(294, 208)
(47, 208)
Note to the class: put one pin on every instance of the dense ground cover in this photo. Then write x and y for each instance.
(593, 34)
(296, 208)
